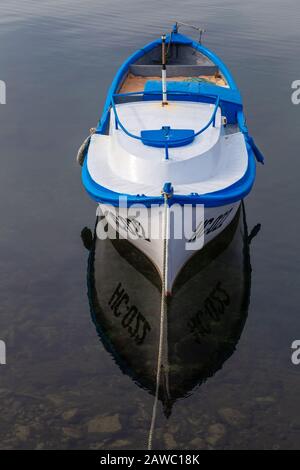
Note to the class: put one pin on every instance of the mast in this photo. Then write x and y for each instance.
(164, 71)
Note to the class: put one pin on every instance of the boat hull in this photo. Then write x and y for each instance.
(188, 229)
(204, 317)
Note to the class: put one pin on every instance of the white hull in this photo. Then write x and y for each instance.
(188, 231)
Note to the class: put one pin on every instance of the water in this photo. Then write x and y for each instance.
(62, 386)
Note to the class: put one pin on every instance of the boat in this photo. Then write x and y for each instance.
(171, 158)
(205, 315)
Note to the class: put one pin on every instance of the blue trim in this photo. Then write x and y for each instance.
(250, 141)
(168, 189)
(194, 90)
(167, 137)
(230, 100)
(229, 195)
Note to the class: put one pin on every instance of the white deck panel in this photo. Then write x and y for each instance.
(230, 167)
(149, 115)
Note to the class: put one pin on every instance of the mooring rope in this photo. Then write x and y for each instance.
(163, 309)
(83, 147)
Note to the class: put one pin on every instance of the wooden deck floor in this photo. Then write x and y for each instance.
(137, 83)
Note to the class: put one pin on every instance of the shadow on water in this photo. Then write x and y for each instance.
(205, 315)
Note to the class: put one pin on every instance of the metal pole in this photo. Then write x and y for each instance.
(164, 71)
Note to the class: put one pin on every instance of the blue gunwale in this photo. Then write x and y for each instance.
(229, 195)
(233, 193)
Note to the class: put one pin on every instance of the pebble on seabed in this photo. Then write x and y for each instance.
(104, 424)
(215, 433)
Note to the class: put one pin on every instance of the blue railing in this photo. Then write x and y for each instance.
(164, 143)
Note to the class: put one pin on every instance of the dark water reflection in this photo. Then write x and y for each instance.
(204, 318)
(60, 387)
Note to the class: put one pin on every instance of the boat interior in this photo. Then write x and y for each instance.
(205, 154)
(184, 64)
(183, 123)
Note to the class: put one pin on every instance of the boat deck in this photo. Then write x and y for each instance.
(141, 116)
(212, 162)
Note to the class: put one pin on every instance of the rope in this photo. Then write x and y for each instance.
(83, 147)
(163, 310)
(169, 44)
(197, 80)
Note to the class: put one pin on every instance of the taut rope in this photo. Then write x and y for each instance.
(163, 310)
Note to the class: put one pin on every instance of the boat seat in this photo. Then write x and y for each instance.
(155, 87)
(166, 136)
(173, 70)
(230, 100)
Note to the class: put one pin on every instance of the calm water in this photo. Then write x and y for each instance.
(63, 385)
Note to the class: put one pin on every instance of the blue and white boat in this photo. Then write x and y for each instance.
(171, 158)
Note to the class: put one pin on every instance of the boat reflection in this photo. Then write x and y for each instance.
(205, 315)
